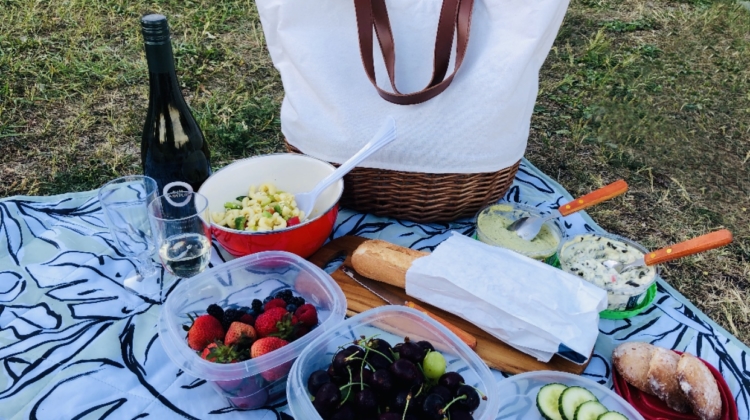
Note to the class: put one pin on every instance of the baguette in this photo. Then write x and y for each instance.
(384, 261)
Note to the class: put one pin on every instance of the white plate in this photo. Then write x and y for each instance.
(518, 394)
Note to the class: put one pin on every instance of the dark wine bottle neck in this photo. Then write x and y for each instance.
(160, 58)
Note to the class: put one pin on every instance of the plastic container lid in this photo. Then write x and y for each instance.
(653, 408)
(518, 394)
(649, 299)
(513, 212)
(391, 323)
(236, 284)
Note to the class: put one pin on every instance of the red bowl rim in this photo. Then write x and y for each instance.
(634, 397)
(287, 229)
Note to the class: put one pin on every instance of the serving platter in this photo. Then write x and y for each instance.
(492, 351)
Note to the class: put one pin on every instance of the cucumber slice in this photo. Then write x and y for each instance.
(590, 410)
(548, 400)
(572, 398)
(612, 415)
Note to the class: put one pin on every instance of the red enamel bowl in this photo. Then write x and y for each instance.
(652, 408)
(288, 172)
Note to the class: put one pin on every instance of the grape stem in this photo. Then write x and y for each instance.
(484, 397)
(447, 406)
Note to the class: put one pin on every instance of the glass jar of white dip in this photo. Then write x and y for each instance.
(582, 255)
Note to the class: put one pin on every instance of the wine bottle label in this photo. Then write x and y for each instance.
(180, 138)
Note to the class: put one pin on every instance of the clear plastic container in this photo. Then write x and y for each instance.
(620, 295)
(391, 323)
(236, 284)
(493, 220)
(518, 394)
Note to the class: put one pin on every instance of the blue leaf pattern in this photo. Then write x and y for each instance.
(75, 344)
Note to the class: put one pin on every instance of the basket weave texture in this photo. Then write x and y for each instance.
(422, 197)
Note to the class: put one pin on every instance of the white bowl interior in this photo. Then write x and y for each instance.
(288, 172)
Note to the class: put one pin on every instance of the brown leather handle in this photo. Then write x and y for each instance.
(455, 16)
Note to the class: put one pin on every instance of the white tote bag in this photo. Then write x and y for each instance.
(469, 118)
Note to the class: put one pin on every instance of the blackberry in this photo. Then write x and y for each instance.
(230, 315)
(257, 305)
(215, 311)
(245, 310)
(285, 294)
(299, 301)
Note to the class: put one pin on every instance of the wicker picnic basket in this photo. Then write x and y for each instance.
(476, 131)
(422, 197)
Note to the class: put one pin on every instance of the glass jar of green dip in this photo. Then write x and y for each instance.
(492, 228)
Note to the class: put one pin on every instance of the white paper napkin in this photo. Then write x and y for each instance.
(525, 303)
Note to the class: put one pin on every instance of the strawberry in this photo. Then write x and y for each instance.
(205, 329)
(275, 303)
(264, 346)
(307, 315)
(265, 325)
(231, 386)
(220, 353)
(247, 319)
(251, 394)
(239, 334)
(300, 331)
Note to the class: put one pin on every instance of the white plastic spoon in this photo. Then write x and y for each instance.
(385, 135)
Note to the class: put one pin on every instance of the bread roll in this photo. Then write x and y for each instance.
(384, 261)
(632, 360)
(700, 386)
(662, 378)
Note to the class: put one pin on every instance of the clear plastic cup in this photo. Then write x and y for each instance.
(391, 323)
(261, 381)
(620, 298)
(498, 216)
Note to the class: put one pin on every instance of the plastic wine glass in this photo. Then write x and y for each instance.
(125, 204)
(385, 135)
(179, 219)
(683, 249)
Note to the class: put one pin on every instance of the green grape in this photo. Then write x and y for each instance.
(433, 365)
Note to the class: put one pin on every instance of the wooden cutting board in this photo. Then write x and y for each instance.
(494, 352)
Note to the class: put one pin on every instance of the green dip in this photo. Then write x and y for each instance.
(492, 228)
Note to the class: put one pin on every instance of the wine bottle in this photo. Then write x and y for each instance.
(172, 147)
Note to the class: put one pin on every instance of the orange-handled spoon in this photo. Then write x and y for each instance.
(528, 227)
(683, 249)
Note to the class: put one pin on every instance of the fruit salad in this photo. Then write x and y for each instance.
(372, 379)
(232, 335)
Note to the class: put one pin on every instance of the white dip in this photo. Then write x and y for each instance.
(583, 256)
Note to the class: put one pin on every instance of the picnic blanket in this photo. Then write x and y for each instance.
(74, 344)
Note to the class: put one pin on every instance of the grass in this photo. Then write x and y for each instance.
(652, 92)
